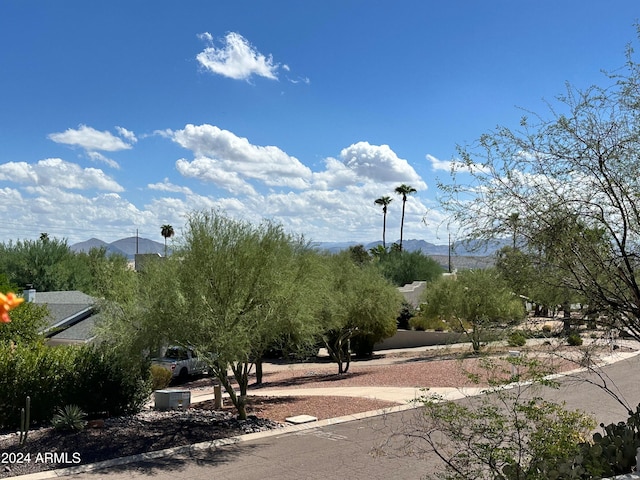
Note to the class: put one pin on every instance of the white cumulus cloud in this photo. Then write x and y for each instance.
(54, 172)
(221, 157)
(381, 164)
(93, 140)
(236, 58)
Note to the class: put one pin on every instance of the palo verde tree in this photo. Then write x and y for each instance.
(241, 288)
(402, 267)
(573, 178)
(473, 302)
(357, 303)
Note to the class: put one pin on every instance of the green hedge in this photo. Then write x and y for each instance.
(94, 378)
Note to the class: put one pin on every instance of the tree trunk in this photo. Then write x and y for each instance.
(259, 371)
(566, 317)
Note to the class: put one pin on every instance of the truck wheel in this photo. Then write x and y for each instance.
(184, 374)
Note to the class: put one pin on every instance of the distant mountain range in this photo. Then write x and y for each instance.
(472, 249)
(132, 245)
(125, 246)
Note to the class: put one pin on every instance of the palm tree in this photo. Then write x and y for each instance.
(384, 201)
(166, 232)
(404, 190)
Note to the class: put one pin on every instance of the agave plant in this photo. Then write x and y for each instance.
(70, 417)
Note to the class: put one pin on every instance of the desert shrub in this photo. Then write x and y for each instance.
(160, 377)
(516, 339)
(71, 417)
(94, 378)
(574, 339)
(506, 434)
(419, 322)
(37, 371)
(107, 383)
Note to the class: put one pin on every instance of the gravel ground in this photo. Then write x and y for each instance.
(150, 430)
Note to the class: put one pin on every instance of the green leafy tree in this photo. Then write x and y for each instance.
(384, 201)
(47, 264)
(243, 286)
(474, 302)
(359, 255)
(111, 277)
(574, 179)
(357, 303)
(404, 190)
(402, 267)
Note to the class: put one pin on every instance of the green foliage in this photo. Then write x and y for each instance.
(574, 339)
(356, 301)
(571, 180)
(402, 267)
(105, 382)
(473, 302)
(110, 276)
(70, 417)
(50, 265)
(27, 321)
(160, 377)
(94, 378)
(517, 339)
(231, 290)
(613, 453)
(420, 322)
(46, 263)
(359, 255)
(506, 434)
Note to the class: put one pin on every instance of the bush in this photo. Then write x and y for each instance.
(419, 322)
(95, 378)
(575, 340)
(108, 384)
(160, 377)
(516, 339)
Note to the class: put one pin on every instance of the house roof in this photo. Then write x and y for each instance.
(68, 310)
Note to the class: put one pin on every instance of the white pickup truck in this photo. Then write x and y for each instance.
(181, 361)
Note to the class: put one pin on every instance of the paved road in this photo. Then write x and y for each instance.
(344, 450)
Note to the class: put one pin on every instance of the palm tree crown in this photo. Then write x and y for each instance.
(384, 201)
(166, 232)
(404, 190)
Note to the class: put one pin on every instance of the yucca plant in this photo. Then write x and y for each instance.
(70, 417)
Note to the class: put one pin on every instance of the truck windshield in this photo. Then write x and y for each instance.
(176, 353)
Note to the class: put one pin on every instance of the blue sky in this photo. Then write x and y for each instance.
(119, 117)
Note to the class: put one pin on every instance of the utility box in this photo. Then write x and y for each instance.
(172, 399)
